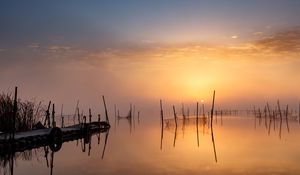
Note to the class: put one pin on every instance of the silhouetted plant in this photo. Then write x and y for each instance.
(26, 116)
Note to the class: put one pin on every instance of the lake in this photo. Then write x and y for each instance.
(234, 145)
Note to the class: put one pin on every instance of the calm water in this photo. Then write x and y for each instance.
(236, 145)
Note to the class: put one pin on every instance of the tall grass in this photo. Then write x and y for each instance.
(27, 114)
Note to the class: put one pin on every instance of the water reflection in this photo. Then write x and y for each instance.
(171, 125)
(273, 118)
(129, 117)
(9, 159)
(233, 147)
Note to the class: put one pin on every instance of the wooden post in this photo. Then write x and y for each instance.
(62, 117)
(53, 116)
(222, 117)
(162, 124)
(78, 115)
(15, 113)
(197, 112)
(175, 116)
(183, 114)
(90, 115)
(84, 119)
(203, 114)
(286, 117)
(106, 115)
(279, 110)
(47, 119)
(76, 109)
(212, 109)
(161, 113)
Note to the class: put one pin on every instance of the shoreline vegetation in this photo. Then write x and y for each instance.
(27, 113)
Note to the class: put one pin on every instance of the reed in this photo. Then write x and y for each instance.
(17, 114)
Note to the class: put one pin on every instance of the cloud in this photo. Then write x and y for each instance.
(58, 48)
(282, 42)
(34, 45)
(234, 37)
(258, 33)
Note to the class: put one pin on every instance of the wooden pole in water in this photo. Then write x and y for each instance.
(182, 109)
(61, 114)
(53, 116)
(78, 115)
(212, 109)
(106, 115)
(203, 109)
(15, 113)
(175, 116)
(279, 109)
(77, 104)
(197, 112)
(286, 118)
(47, 119)
(90, 115)
(161, 113)
(84, 119)
(162, 124)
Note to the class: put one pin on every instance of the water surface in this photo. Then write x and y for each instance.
(235, 145)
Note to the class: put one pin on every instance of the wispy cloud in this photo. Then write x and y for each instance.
(59, 48)
(34, 45)
(283, 42)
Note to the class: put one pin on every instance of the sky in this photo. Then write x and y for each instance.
(141, 51)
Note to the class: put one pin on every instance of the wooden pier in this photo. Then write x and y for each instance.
(52, 137)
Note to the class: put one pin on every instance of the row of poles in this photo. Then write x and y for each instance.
(80, 117)
(197, 123)
(197, 112)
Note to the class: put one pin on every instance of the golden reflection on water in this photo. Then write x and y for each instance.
(237, 145)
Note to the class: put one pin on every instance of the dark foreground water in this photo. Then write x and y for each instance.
(236, 145)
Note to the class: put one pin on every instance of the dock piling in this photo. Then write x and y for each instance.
(106, 115)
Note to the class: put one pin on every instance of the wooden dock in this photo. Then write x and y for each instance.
(52, 137)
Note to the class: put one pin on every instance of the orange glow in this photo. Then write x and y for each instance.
(189, 72)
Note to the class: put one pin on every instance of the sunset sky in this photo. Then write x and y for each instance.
(144, 50)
